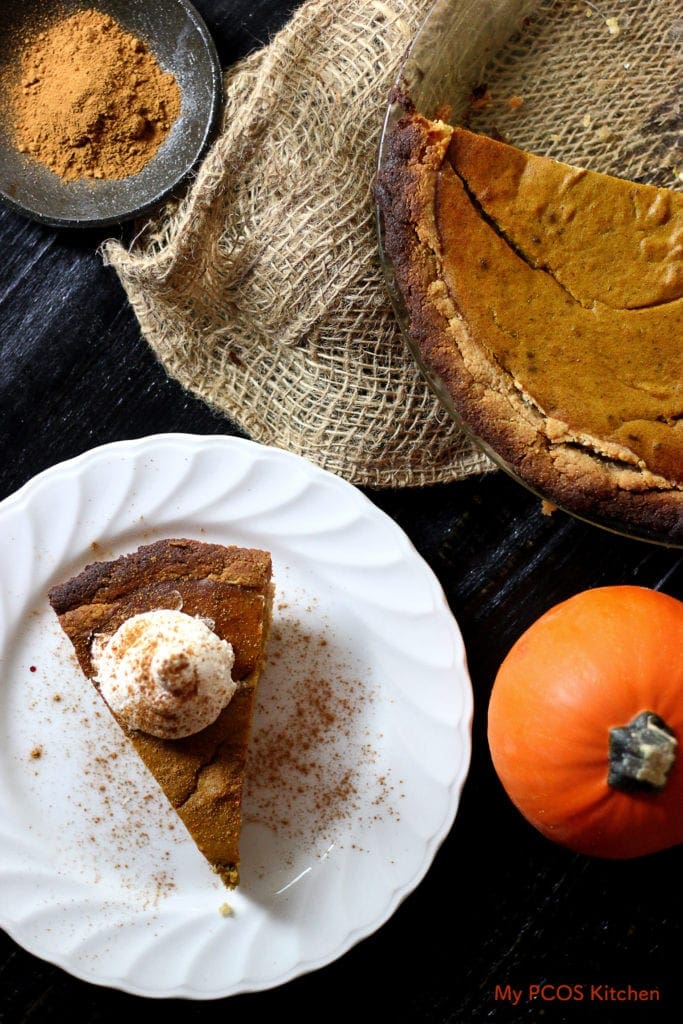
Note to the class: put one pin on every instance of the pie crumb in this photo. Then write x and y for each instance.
(225, 910)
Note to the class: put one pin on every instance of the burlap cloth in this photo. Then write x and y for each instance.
(262, 291)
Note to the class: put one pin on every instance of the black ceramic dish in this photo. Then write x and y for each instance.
(180, 41)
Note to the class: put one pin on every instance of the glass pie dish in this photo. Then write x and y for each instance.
(591, 85)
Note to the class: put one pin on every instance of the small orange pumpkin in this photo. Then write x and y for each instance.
(586, 718)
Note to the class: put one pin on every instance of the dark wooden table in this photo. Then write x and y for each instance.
(501, 905)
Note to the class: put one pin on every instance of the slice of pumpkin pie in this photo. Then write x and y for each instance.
(547, 302)
(173, 636)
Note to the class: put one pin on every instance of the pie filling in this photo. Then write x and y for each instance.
(610, 373)
(600, 359)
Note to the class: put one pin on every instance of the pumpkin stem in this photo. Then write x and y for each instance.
(641, 754)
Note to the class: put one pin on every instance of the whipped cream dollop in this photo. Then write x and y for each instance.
(165, 673)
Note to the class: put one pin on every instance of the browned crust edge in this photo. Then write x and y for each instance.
(109, 581)
(484, 396)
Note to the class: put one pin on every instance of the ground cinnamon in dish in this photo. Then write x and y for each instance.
(89, 100)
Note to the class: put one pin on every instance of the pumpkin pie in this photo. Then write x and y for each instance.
(229, 590)
(545, 304)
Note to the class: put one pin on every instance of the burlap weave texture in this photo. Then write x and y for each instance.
(262, 291)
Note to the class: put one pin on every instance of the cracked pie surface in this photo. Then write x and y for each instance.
(228, 587)
(547, 300)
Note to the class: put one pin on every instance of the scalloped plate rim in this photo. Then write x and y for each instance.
(74, 467)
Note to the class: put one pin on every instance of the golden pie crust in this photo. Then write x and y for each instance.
(548, 301)
(201, 775)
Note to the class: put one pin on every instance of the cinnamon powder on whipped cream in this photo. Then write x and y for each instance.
(165, 673)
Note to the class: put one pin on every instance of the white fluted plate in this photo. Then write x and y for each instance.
(361, 739)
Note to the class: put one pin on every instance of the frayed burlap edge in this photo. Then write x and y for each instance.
(262, 292)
